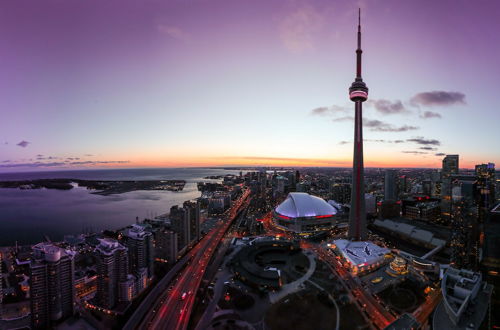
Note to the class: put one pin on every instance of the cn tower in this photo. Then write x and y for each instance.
(358, 93)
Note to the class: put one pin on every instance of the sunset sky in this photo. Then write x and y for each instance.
(119, 83)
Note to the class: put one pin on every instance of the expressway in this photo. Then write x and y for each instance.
(173, 309)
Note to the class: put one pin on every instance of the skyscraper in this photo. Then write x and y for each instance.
(486, 181)
(112, 272)
(179, 222)
(390, 185)
(193, 212)
(139, 243)
(358, 93)
(51, 285)
(450, 165)
(166, 245)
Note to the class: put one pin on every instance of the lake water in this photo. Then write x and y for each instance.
(27, 215)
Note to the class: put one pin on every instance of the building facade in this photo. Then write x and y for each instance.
(112, 272)
(52, 285)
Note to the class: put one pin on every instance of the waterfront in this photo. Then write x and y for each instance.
(28, 215)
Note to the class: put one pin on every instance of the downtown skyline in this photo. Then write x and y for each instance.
(237, 84)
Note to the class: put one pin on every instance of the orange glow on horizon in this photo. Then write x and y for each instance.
(256, 161)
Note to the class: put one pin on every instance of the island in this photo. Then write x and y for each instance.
(101, 187)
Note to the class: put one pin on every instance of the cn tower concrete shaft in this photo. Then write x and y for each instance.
(357, 216)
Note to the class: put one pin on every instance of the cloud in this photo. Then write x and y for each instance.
(328, 111)
(91, 162)
(38, 164)
(380, 126)
(32, 165)
(440, 154)
(344, 142)
(388, 107)
(305, 161)
(174, 32)
(415, 152)
(438, 98)
(23, 144)
(88, 155)
(345, 118)
(421, 140)
(320, 111)
(430, 114)
(428, 148)
(399, 141)
(298, 29)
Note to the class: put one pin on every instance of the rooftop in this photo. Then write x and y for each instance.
(137, 232)
(299, 204)
(359, 253)
(50, 252)
(108, 246)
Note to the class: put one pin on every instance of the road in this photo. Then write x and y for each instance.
(173, 309)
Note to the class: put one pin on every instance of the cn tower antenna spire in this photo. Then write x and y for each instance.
(359, 51)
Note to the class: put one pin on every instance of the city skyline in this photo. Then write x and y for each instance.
(233, 84)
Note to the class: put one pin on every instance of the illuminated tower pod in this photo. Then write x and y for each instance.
(358, 93)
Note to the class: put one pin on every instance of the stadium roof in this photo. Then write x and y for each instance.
(298, 205)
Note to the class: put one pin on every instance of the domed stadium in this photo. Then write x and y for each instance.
(305, 214)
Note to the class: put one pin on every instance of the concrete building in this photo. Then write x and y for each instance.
(360, 256)
(409, 233)
(139, 243)
(370, 204)
(218, 202)
(179, 222)
(450, 167)
(112, 272)
(390, 185)
(166, 247)
(465, 300)
(429, 212)
(52, 285)
(193, 212)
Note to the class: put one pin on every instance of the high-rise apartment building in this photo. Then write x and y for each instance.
(179, 222)
(52, 285)
(450, 168)
(112, 272)
(193, 212)
(485, 189)
(166, 247)
(139, 243)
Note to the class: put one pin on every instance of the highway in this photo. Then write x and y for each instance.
(172, 311)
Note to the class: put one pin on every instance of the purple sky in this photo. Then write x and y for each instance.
(88, 83)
